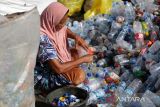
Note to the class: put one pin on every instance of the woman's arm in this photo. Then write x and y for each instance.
(71, 35)
(78, 39)
(59, 67)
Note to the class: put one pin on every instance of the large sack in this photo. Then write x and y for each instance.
(18, 49)
(88, 4)
(99, 7)
(73, 5)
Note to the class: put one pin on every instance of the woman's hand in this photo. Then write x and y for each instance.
(79, 41)
(87, 58)
(82, 43)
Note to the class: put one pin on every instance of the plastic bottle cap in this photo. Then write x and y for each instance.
(89, 74)
(97, 75)
(62, 98)
(139, 36)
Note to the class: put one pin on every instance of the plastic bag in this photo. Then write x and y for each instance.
(99, 7)
(88, 5)
(73, 5)
(116, 0)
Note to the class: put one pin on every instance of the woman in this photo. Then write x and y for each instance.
(57, 64)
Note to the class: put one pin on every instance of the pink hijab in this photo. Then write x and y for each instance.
(51, 17)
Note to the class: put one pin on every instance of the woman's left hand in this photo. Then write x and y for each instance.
(82, 43)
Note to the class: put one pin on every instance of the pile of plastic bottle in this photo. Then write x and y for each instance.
(66, 100)
(127, 57)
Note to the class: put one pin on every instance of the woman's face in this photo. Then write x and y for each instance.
(62, 22)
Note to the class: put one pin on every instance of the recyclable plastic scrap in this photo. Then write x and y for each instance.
(127, 57)
(66, 100)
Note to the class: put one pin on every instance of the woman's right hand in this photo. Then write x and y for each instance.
(87, 58)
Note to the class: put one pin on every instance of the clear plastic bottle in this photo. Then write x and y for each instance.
(134, 104)
(125, 45)
(113, 75)
(117, 70)
(101, 63)
(119, 105)
(155, 68)
(129, 12)
(125, 76)
(130, 79)
(101, 74)
(157, 84)
(75, 28)
(93, 96)
(134, 2)
(137, 28)
(89, 74)
(149, 23)
(92, 85)
(149, 83)
(118, 58)
(158, 92)
(153, 35)
(124, 61)
(103, 23)
(153, 97)
(133, 61)
(149, 63)
(123, 33)
(147, 102)
(114, 29)
(155, 47)
(122, 86)
(140, 61)
(134, 87)
(104, 105)
(118, 9)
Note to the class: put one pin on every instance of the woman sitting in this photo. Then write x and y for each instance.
(58, 64)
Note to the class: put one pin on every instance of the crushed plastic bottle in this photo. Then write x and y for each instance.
(157, 84)
(147, 102)
(133, 87)
(92, 85)
(123, 33)
(155, 47)
(120, 89)
(155, 68)
(115, 27)
(125, 45)
(149, 83)
(129, 12)
(125, 76)
(93, 96)
(153, 97)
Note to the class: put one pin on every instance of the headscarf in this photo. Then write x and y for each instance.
(51, 17)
